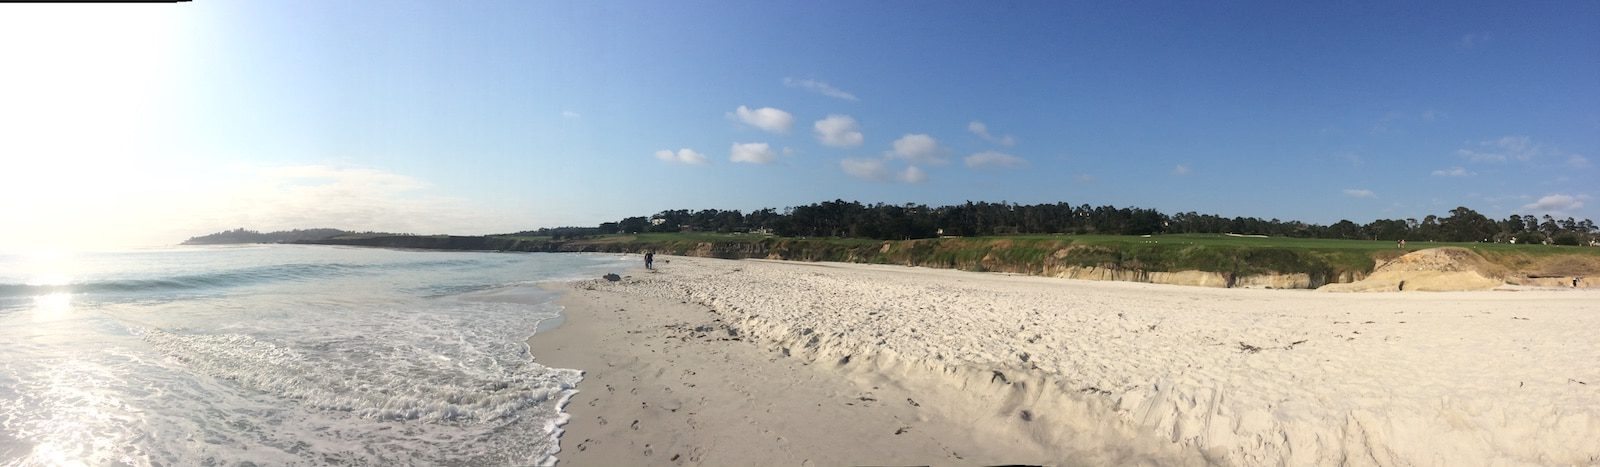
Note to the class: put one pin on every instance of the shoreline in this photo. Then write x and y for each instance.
(658, 391)
(1122, 372)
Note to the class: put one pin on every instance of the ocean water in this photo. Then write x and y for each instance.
(280, 355)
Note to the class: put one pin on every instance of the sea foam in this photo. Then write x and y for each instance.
(286, 355)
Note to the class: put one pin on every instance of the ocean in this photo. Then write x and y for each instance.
(279, 355)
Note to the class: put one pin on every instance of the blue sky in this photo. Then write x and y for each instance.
(176, 120)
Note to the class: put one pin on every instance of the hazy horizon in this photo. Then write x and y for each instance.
(134, 125)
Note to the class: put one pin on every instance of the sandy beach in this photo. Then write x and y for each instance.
(719, 362)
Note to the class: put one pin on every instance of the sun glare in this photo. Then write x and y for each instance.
(51, 307)
(85, 92)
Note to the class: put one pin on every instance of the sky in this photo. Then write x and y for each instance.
(147, 124)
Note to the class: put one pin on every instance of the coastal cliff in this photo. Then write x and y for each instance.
(1176, 263)
(1194, 260)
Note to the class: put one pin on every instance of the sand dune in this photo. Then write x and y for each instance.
(1432, 270)
(1092, 373)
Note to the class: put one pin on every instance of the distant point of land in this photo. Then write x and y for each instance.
(240, 235)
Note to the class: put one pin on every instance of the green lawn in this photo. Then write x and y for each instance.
(657, 237)
(1303, 243)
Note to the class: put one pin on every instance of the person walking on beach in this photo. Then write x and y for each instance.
(650, 260)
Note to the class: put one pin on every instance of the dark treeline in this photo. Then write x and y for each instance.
(840, 218)
(250, 236)
(241, 235)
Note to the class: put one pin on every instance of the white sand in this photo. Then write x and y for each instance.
(1447, 269)
(1057, 371)
(658, 392)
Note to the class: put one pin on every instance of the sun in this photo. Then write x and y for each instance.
(86, 94)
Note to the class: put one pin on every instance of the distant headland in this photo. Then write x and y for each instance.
(241, 235)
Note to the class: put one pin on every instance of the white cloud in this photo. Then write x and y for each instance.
(982, 130)
(1470, 41)
(568, 114)
(1398, 120)
(840, 131)
(1520, 149)
(868, 169)
(1506, 148)
(765, 118)
(1180, 170)
(293, 197)
(994, 159)
(819, 88)
(1354, 159)
(357, 199)
(877, 170)
(1084, 178)
(683, 156)
(1556, 203)
(1359, 193)
(918, 148)
(912, 174)
(1498, 199)
(1457, 171)
(1384, 123)
(754, 153)
(1477, 156)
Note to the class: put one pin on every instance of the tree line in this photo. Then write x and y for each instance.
(839, 218)
(240, 235)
